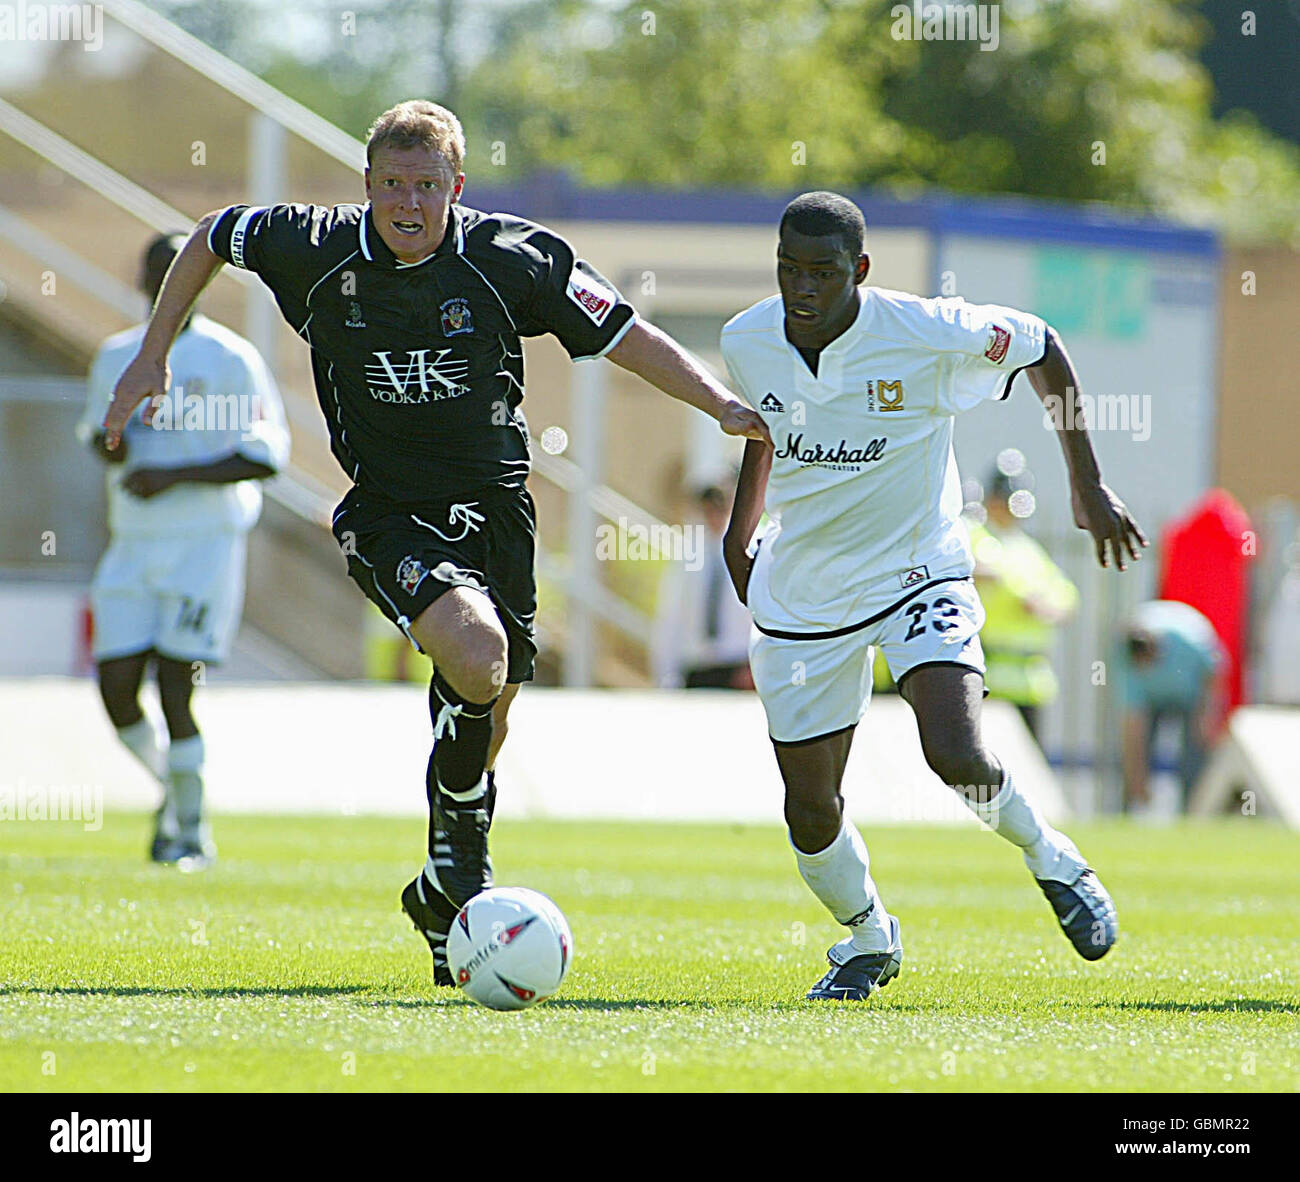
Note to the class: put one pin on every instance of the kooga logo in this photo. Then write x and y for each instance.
(839, 453)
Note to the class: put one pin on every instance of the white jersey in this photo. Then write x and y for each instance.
(222, 401)
(864, 496)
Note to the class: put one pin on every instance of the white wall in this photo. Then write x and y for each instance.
(1139, 325)
(41, 624)
(693, 755)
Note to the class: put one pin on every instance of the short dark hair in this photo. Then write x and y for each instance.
(418, 123)
(158, 256)
(1141, 644)
(712, 494)
(820, 214)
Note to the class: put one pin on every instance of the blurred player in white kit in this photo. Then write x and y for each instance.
(182, 496)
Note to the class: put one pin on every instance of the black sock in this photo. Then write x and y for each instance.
(460, 752)
(442, 907)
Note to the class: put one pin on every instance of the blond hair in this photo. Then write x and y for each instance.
(418, 123)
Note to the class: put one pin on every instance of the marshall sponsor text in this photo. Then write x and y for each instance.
(838, 454)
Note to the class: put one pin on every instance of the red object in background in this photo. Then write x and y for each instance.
(1204, 563)
(86, 641)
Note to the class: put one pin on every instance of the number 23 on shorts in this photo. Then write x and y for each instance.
(942, 612)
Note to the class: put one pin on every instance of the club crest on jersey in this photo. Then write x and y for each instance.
(772, 404)
(455, 317)
(918, 574)
(595, 300)
(411, 573)
(354, 319)
(999, 342)
(884, 395)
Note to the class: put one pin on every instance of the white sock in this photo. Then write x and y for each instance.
(840, 877)
(143, 741)
(1048, 852)
(185, 776)
(477, 792)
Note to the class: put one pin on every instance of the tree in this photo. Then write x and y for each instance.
(1080, 102)
(1103, 101)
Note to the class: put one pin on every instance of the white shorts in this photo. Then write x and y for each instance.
(816, 685)
(179, 595)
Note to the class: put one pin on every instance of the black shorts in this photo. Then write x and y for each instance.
(404, 558)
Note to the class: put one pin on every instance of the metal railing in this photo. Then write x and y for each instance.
(36, 244)
(217, 68)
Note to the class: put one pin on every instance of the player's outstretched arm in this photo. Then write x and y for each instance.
(653, 355)
(1096, 508)
(746, 510)
(146, 376)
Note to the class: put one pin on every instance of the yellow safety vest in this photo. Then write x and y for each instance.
(1013, 572)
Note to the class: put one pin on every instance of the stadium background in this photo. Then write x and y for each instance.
(1184, 298)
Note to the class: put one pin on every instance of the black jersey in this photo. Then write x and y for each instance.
(418, 367)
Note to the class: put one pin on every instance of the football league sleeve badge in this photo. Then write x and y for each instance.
(998, 343)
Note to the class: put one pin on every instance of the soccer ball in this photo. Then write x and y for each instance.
(509, 948)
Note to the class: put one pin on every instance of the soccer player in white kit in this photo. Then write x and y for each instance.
(859, 386)
(182, 496)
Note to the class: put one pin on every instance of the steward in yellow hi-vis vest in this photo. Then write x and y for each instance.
(1025, 595)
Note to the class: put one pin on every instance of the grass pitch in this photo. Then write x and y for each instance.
(289, 965)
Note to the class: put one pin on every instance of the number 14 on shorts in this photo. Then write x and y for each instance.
(192, 615)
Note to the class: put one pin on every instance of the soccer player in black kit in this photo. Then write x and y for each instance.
(413, 306)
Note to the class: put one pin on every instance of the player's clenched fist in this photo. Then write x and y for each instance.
(143, 378)
(740, 420)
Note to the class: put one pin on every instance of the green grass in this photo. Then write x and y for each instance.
(289, 965)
